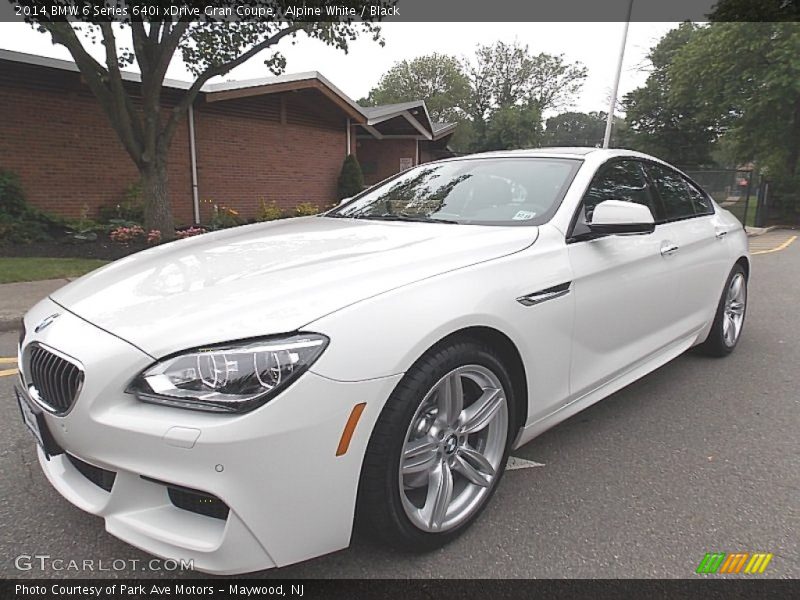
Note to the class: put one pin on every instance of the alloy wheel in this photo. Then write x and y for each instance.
(733, 313)
(453, 448)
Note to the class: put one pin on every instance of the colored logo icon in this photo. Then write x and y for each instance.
(734, 562)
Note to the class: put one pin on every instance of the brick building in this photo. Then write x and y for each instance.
(279, 139)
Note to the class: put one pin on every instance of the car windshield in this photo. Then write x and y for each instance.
(483, 191)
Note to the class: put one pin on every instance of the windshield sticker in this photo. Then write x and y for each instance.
(523, 215)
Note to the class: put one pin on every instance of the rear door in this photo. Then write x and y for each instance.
(624, 288)
(700, 257)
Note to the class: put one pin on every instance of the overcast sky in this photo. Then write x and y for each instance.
(596, 45)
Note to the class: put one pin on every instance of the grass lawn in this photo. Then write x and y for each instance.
(34, 269)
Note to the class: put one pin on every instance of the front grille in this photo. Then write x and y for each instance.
(102, 478)
(57, 380)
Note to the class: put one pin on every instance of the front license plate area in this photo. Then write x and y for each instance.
(33, 418)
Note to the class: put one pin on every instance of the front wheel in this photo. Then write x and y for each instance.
(439, 448)
(729, 319)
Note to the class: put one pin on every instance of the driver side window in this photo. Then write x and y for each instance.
(621, 180)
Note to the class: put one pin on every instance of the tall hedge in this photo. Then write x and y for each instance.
(351, 179)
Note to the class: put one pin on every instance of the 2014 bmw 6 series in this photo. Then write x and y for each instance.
(242, 398)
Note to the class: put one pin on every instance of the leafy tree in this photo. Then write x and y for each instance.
(575, 129)
(436, 78)
(351, 179)
(661, 123)
(514, 127)
(144, 123)
(505, 75)
(745, 77)
(756, 10)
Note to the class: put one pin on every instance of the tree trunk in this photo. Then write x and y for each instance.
(157, 207)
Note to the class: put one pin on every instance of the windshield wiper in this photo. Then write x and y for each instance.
(409, 218)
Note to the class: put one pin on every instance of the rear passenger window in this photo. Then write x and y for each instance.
(702, 203)
(680, 199)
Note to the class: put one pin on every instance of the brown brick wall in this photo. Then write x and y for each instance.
(54, 135)
(284, 147)
(247, 152)
(381, 158)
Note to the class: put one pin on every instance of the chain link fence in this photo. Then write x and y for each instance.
(733, 189)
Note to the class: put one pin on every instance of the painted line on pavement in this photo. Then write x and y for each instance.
(9, 372)
(8, 360)
(515, 463)
(782, 246)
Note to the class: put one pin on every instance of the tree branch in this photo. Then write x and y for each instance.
(96, 77)
(127, 119)
(138, 35)
(216, 70)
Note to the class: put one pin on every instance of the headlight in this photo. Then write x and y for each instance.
(229, 378)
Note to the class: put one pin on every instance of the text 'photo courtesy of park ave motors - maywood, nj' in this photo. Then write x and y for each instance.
(332, 301)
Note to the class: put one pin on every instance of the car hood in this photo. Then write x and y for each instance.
(271, 278)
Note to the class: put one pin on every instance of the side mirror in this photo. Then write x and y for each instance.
(345, 200)
(618, 217)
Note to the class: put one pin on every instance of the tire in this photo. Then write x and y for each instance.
(404, 509)
(726, 331)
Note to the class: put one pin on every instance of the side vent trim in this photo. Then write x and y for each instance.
(550, 293)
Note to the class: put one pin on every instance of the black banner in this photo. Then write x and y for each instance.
(397, 10)
(418, 589)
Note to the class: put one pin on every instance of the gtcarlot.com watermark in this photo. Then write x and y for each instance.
(45, 562)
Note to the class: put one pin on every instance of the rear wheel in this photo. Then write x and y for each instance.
(439, 448)
(729, 320)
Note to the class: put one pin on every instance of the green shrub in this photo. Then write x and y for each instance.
(16, 231)
(223, 217)
(83, 229)
(269, 212)
(130, 209)
(21, 223)
(306, 209)
(12, 198)
(351, 179)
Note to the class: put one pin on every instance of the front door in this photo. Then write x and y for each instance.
(624, 285)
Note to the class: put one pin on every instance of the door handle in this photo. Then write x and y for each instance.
(668, 249)
(721, 233)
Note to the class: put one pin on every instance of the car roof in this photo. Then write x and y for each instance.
(578, 152)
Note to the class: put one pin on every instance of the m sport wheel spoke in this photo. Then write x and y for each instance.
(482, 411)
(474, 466)
(420, 455)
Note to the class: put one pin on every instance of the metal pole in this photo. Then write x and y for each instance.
(747, 200)
(610, 118)
(193, 161)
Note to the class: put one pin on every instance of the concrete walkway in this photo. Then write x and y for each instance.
(17, 298)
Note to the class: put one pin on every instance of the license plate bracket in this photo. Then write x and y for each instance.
(33, 418)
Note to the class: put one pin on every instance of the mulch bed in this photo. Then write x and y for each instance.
(102, 249)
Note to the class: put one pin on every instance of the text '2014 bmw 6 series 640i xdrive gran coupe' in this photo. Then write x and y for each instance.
(242, 398)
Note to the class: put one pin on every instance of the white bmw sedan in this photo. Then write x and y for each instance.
(242, 399)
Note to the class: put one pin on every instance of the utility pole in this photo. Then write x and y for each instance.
(610, 119)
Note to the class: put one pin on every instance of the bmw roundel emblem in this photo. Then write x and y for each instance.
(46, 322)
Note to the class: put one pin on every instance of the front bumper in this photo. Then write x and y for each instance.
(289, 496)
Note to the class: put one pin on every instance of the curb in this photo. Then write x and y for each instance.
(9, 324)
(22, 295)
(757, 231)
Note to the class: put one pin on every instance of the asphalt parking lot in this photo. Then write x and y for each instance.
(701, 456)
